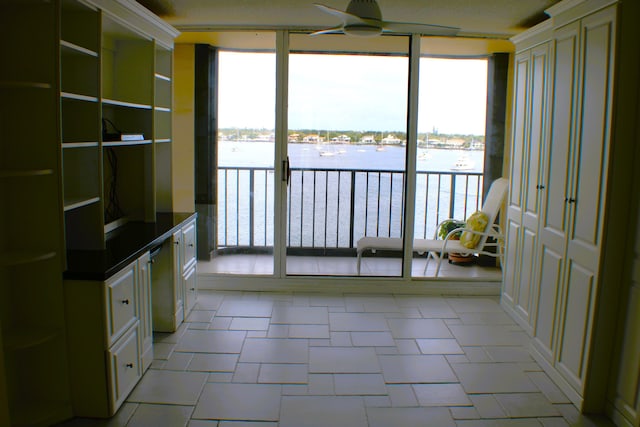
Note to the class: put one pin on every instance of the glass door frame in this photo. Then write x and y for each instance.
(281, 164)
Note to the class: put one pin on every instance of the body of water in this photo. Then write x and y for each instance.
(345, 156)
(328, 203)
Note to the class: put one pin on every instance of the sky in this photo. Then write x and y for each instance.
(349, 92)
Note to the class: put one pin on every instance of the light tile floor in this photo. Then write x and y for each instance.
(251, 359)
(341, 266)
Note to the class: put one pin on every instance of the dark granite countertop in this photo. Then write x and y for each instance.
(123, 246)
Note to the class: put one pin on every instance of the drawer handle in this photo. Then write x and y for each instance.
(129, 365)
(190, 245)
(176, 243)
(192, 289)
(125, 301)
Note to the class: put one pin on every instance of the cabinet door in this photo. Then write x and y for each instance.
(124, 369)
(144, 310)
(121, 302)
(532, 185)
(553, 221)
(190, 289)
(178, 262)
(189, 245)
(514, 206)
(587, 200)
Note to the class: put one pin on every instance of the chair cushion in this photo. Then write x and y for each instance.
(477, 221)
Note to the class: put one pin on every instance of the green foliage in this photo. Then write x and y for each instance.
(448, 226)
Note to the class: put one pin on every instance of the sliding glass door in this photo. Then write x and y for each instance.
(450, 150)
(321, 138)
(245, 154)
(346, 147)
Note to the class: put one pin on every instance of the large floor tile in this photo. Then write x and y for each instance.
(243, 424)
(508, 354)
(439, 346)
(170, 387)
(300, 315)
(244, 402)
(343, 360)
(486, 318)
(436, 308)
(309, 331)
(496, 335)
(359, 384)
(418, 328)
(551, 391)
(199, 341)
(529, 422)
(322, 411)
(523, 405)
(409, 417)
(413, 369)
(441, 395)
(275, 350)
(249, 324)
(493, 378)
(474, 305)
(372, 339)
(211, 362)
(283, 374)
(160, 416)
(245, 308)
(352, 322)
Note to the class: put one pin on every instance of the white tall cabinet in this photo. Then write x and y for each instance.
(67, 65)
(530, 143)
(564, 75)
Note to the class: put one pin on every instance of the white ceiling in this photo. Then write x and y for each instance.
(484, 18)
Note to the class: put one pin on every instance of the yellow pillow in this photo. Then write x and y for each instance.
(477, 221)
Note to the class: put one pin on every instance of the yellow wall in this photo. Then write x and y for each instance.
(183, 128)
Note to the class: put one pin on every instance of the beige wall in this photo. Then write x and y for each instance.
(183, 129)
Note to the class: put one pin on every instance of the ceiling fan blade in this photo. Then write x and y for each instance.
(346, 18)
(426, 29)
(336, 30)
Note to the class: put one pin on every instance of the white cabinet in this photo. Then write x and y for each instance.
(144, 306)
(527, 186)
(188, 268)
(562, 119)
(573, 213)
(34, 388)
(110, 337)
(174, 279)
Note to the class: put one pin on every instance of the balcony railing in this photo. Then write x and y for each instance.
(330, 209)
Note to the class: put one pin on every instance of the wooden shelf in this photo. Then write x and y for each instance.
(125, 104)
(24, 173)
(78, 97)
(23, 85)
(125, 143)
(162, 77)
(68, 47)
(87, 144)
(12, 258)
(76, 203)
(25, 338)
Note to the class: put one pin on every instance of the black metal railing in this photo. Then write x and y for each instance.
(330, 209)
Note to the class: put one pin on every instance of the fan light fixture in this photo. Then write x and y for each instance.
(364, 19)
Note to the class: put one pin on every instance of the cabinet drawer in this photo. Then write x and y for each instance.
(124, 369)
(121, 302)
(189, 242)
(190, 282)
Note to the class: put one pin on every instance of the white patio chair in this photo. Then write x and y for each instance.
(436, 249)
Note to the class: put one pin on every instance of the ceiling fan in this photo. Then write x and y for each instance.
(364, 19)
